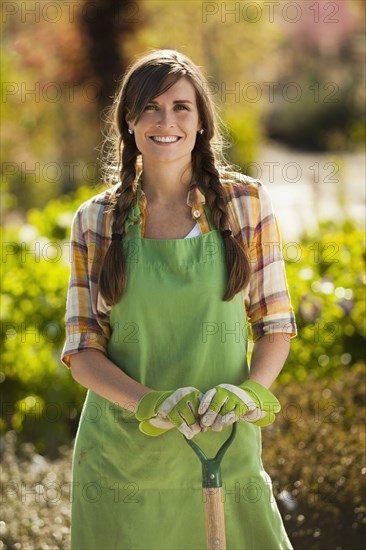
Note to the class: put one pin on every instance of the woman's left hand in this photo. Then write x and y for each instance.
(226, 403)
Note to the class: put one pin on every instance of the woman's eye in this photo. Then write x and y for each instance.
(177, 107)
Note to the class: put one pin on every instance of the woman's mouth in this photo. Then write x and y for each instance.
(165, 139)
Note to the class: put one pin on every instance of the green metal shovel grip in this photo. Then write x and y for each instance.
(211, 471)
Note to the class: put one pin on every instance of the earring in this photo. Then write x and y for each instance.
(202, 131)
(130, 131)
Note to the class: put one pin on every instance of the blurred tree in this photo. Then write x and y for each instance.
(320, 96)
(325, 28)
(60, 70)
(104, 24)
(61, 63)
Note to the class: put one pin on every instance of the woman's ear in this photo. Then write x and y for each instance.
(128, 120)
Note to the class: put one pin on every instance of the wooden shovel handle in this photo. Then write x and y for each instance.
(214, 519)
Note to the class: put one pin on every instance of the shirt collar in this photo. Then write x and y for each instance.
(195, 196)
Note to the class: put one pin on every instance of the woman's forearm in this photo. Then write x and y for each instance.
(93, 370)
(268, 357)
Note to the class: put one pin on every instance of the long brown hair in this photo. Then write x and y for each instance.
(146, 79)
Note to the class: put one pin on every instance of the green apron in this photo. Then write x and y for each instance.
(171, 329)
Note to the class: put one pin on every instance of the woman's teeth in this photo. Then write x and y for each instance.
(165, 139)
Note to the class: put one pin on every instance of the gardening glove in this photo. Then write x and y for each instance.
(225, 404)
(160, 411)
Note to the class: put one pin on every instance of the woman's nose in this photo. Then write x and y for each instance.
(165, 118)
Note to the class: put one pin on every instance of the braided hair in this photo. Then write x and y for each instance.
(146, 79)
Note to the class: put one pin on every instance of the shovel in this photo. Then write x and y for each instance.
(212, 493)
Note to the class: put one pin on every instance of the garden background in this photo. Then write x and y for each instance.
(289, 80)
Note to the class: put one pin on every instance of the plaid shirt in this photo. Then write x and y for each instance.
(253, 223)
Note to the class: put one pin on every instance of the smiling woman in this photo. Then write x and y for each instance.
(166, 130)
(181, 259)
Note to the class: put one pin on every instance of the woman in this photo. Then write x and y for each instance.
(169, 267)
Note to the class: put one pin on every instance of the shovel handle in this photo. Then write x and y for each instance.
(211, 471)
(214, 518)
(212, 493)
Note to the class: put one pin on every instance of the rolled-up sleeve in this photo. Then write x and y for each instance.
(83, 328)
(268, 302)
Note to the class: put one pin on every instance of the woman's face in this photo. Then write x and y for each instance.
(167, 129)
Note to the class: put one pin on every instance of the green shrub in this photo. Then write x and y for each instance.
(326, 277)
(327, 116)
(314, 453)
(245, 135)
(40, 400)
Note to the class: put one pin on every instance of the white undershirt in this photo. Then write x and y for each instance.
(194, 232)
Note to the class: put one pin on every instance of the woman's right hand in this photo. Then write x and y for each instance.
(160, 411)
